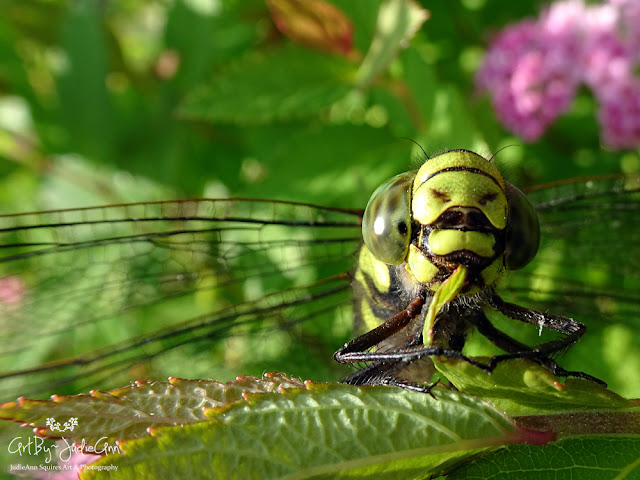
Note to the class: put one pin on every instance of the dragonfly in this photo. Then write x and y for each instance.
(209, 288)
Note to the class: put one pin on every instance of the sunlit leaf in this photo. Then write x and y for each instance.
(521, 387)
(128, 412)
(323, 431)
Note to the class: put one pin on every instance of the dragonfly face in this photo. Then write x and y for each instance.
(223, 281)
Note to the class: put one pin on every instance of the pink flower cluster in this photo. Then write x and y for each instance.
(533, 68)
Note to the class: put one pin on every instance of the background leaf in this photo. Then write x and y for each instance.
(279, 85)
(398, 20)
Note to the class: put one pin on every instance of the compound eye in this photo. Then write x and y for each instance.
(523, 229)
(386, 225)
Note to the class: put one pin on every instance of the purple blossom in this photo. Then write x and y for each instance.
(533, 68)
(619, 114)
(629, 23)
(527, 77)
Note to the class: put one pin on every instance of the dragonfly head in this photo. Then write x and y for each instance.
(456, 209)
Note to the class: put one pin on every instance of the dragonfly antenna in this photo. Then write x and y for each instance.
(496, 154)
(412, 140)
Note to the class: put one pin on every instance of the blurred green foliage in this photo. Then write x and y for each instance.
(204, 97)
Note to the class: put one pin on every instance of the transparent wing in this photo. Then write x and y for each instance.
(93, 297)
(587, 267)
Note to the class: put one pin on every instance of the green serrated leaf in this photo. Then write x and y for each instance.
(592, 458)
(398, 21)
(522, 387)
(283, 84)
(128, 412)
(325, 431)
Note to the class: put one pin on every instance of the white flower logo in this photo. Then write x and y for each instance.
(55, 426)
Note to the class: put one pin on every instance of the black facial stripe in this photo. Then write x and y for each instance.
(464, 169)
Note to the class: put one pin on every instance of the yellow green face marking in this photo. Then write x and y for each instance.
(456, 202)
(444, 242)
(420, 267)
(459, 178)
(459, 199)
(459, 188)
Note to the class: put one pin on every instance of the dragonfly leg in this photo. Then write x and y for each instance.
(406, 355)
(416, 387)
(539, 353)
(565, 325)
(380, 333)
(546, 362)
(393, 374)
(495, 336)
(389, 366)
(408, 367)
(356, 350)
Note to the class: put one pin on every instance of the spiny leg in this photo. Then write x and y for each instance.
(407, 354)
(385, 373)
(565, 325)
(539, 353)
(383, 331)
(380, 372)
(414, 348)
